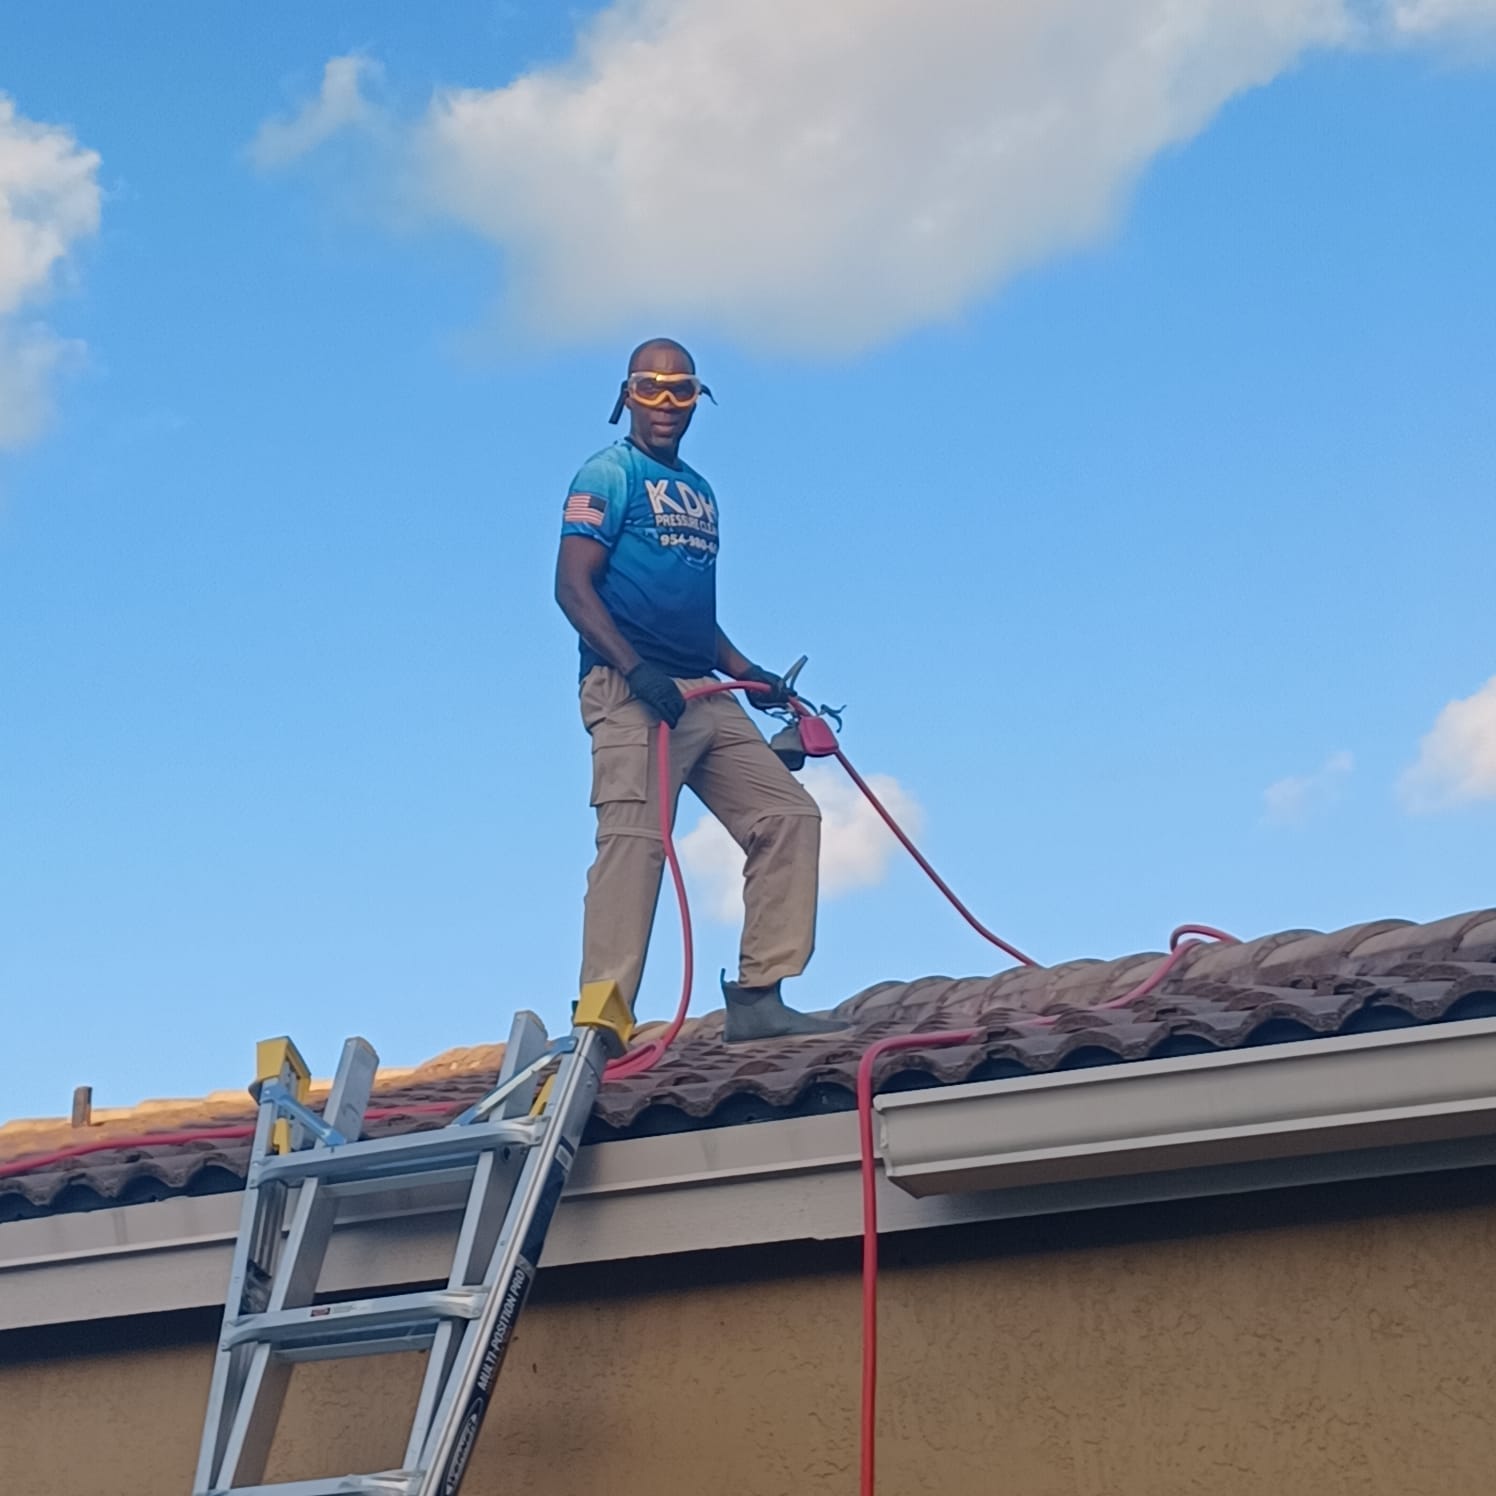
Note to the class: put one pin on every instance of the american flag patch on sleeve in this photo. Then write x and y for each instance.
(583, 509)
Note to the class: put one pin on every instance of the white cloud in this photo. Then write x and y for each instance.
(827, 176)
(30, 358)
(340, 105)
(855, 845)
(830, 175)
(49, 200)
(1427, 17)
(1291, 799)
(1457, 759)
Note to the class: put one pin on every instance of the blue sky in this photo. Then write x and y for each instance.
(1136, 499)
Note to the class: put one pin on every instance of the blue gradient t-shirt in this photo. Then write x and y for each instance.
(660, 527)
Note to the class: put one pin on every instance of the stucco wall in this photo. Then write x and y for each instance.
(1234, 1349)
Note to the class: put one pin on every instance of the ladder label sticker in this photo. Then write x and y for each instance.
(513, 1301)
(493, 1359)
(467, 1437)
(498, 1342)
(545, 1206)
(337, 1311)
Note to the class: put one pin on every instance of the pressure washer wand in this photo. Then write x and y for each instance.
(807, 731)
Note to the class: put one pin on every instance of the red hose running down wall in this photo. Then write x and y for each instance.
(645, 1057)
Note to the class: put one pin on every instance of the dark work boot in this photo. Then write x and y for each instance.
(760, 1013)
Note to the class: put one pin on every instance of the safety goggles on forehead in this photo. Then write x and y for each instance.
(653, 390)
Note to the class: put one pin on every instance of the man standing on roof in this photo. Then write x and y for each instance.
(636, 577)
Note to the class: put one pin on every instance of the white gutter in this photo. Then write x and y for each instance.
(1395, 1089)
(1059, 1144)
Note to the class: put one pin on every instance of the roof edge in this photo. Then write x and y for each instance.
(794, 1180)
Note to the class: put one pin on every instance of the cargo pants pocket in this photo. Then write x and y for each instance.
(620, 763)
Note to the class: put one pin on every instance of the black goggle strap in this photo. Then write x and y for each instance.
(623, 394)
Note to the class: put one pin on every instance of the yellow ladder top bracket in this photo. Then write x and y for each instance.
(601, 1006)
(280, 1060)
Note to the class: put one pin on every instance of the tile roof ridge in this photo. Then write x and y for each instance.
(1297, 957)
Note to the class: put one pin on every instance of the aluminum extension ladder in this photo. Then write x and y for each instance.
(513, 1150)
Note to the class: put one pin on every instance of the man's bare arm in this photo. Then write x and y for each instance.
(578, 566)
(730, 659)
(733, 662)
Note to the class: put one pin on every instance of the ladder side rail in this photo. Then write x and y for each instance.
(490, 1195)
(266, 1376)
(316, 1207)
(228, 1365)
(441, 1358)
(488, 1202)
(445, 1380)
(528, 1041)
(469, 1391)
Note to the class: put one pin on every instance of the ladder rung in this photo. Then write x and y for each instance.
(407, 1153)
(450, 1179)
(510, 1171)
(389, 1483)
(340, 1328)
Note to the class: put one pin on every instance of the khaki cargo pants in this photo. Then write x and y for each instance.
(717, 751)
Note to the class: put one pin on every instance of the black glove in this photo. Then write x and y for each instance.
(657, 691)
(778, 693)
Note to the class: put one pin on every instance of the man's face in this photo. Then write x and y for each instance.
(660, 427)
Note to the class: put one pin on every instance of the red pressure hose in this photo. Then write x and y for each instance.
(643, 1059)
(870, 1226)
(1178, 949)
(649, 1054)
(646, 1056)
(106, 1144)
(930, 872)
(636, 1062)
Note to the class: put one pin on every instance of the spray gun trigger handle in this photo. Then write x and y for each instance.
(793, 672)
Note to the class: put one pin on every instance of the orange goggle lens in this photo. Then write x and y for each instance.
(680, 390)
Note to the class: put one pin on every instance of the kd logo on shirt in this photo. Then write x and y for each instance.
(692, 504)
(689, 520)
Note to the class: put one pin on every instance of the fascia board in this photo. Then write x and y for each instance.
(696, 1191)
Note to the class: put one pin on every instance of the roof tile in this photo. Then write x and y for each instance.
(1480, 935)
(1218, 996)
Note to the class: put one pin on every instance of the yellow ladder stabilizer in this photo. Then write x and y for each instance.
(601, 1006)
(280, 1060)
